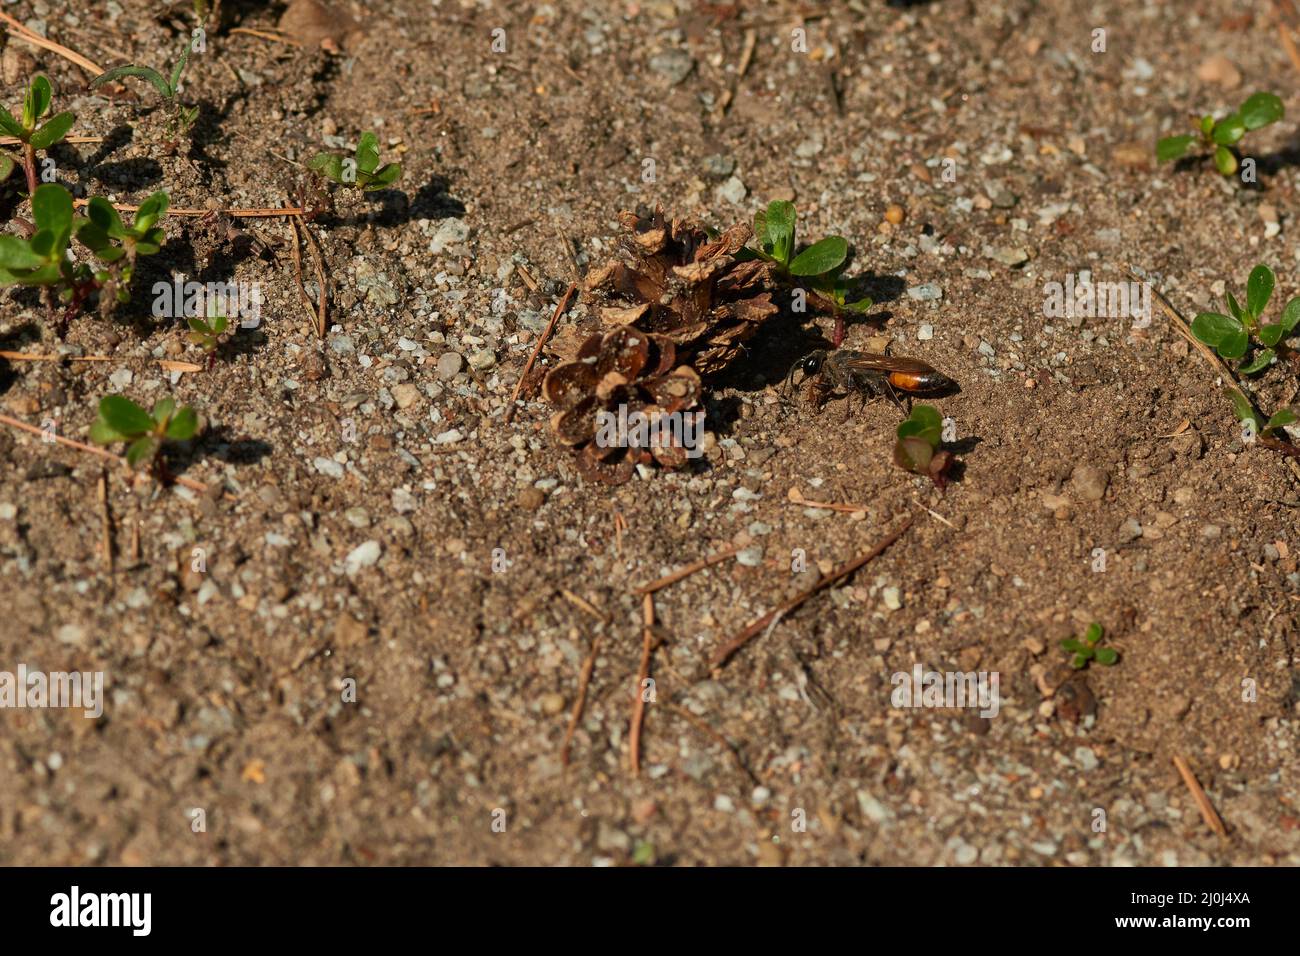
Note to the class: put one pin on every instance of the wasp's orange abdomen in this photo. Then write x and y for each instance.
(926, 381)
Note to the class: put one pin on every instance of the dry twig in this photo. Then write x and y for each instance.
(584, 680)
(723, 654)
(20, 32)
(687, 571)
(1208, 813)
(560, 307)
(643, 672)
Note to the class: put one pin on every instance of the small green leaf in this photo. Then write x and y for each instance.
(780, 229)
(1282, 417)
(102, 213)
(328, 165)
(925, 423)
(141, 450)
(1241, 406)
(45, 243)
(1073, 645)
(861, 306)
(1291, 315)
(1224, 161)
(1106, 655)
(913, 454)
(1213, 327)
(150, 211)
(37, 101)
(163, 409)
(821, 257)
(385, 176)
(10, 125)
(1260, 109)
(1080, 661)
(156, 79)
(183, 426)
(124, 416)
(17, 254)
(367, 153)
(102, 433)
(175, 83)
(1207, 124)
(1228, 130)
(53, 131)
(644, 854)
(1259, 289)
(1234, 345)
(6, 166)
(927, 415)
(1270, 335)
(1262, 359)
(1234, 307)
(1172, 147)
(52, 208)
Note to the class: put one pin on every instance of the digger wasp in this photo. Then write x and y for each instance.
(870, 374)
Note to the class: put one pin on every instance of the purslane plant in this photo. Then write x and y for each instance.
(1233, 335)
(31, 133)
(1087, 649)
(1221, 137)
(362, 170)
(168, 88)
(206, 332)
(122, 420)
(918, 447)
(42, 259)
(117, 245)
(1268, 431)
(821, 263)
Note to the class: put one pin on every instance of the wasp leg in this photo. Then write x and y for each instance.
(893, 397)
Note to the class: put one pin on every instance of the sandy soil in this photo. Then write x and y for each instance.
(375, 524)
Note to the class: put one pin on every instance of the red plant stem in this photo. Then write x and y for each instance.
(29, 167)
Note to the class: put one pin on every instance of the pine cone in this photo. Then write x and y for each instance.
(679, 283)
(621, 374)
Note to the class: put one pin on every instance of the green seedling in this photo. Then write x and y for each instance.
(1220, 138)
(168, 88)
(1269, 432)
(122, 420)
(117, 245)
(821, 264)
(834, 291)
(918, 448)
(1087, 650)
(206, 332)
(42, 258)
(31, 133)
(362, 170)
(1232, 336)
